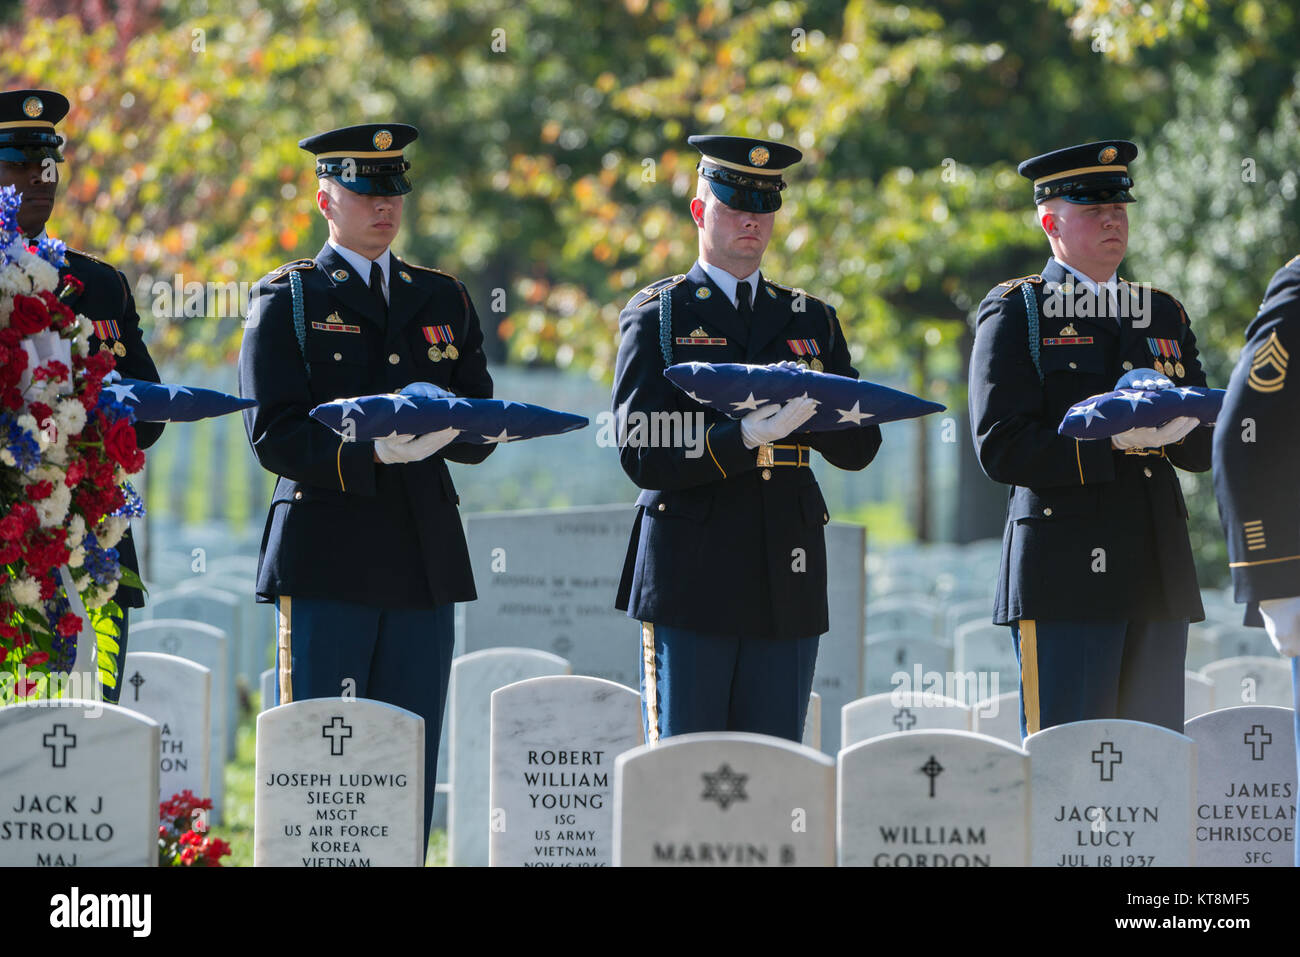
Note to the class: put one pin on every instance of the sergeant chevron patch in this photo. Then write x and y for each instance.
(1268, 367)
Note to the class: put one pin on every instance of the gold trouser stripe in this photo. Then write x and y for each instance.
(710, 448)
(285, 642)
(1078, 458)
(651, 681)
(1029, 672)
(1053, 177)
(1263, 561)
(339, 463)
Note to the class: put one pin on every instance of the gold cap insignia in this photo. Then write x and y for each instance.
(406, 276)
(704, 292)
(33, 107)
(1107, 155)
(339, 275)
(759, 155)
(1270, 359)
(383, 139)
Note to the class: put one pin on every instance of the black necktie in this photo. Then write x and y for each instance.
(742, 300)
(377, 287)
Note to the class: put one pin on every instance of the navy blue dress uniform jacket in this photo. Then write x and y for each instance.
(712, 545)
(341, 525)
(107, 297)
(1069, 498)
(1256, 457)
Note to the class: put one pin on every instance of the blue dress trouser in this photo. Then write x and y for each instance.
(1080, 670)
(692, 681)
(401, 656)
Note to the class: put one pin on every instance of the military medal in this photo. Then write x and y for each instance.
(119, 349)
(436, 335)
(339, 275)
(1169, 349)
(704, 292)
(806, 347)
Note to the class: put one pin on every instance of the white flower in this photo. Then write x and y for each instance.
(99, 596)
(25, 590)
(110, 530)
(53, 509)
(77, 557)
(70, 416)
(7, 458)
(76, 531)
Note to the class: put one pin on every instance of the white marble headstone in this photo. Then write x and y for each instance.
(724, 799)
(893, 654)
(1111, 793)
(255, 639)
(998, 717)
(554, 741)
(208, 646)
(1251, 680)
(339, 783)
(78, 786)
(911, 616)
(1198, 695)
(911, 711)
(1238, 641)
(933, 799)
(988, 649)
(267, 685)
(1246, 787)
(473, 679)
(176, 693)
(812, 725)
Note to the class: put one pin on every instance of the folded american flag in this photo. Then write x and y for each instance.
(162, 402)
(1142, 399)
(482, 421)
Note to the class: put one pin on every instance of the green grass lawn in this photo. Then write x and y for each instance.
(237, 828)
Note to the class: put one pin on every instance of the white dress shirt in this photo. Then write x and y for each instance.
(729, 283)
(1091, 285)
(362, 265)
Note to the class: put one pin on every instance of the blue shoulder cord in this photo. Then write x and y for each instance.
(299, 323)
(666, 325)
(1031, 310)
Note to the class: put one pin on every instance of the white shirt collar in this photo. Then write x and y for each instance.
(729, 283)
(362, 265)
(35, 240)
(1089, 284)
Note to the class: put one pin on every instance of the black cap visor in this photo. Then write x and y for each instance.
(1088, 190)
(394, 184)
(749, 200)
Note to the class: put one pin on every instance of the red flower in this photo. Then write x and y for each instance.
(29, 316)
(69, 625)
(120, 444)
(4, 653)
(39, 490)
(25, 687)
(36, 658)
(13, 399)
(10, 552)
(49, 585)
(189, 856)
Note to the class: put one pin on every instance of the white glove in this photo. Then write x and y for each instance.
(427, 390)
(412, 448)
(1282, 622)
(787, 364)
(773, 422)
(1170, 432)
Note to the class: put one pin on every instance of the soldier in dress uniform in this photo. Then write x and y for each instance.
(29, 158)
(1097, 580)
(1257, 472)
(363, 551)
(726, 567)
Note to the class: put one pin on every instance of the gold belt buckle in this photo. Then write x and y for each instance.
(766, 454)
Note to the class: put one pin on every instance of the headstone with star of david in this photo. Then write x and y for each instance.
(469, 712)
(1111, 793)
(724, 799)
(339, 783)
(1245, 787)
(998, 717)
(1250, 680)
(1198, 694)
(901, 711)
(554, 741)
(208, 646)
(933, 799)
(176, 693)
(545, 577)
(78, 786)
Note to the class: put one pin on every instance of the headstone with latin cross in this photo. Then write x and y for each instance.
(208, 646)
(176, 693)
(554, 741)
(892, 655)
(1252, 680)
(901, 711)
(933, 799)
(724, 799)
(339, 783)
(1246, 787)
(78, 786)
(1111, 793)
(473, 679)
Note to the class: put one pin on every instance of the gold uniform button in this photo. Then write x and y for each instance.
(1074, 365)
(1128, 366)
(825, 518)
(1146, 472)
(394, 359)
(662, 506)
(297, 495)
(1047, 512)
(767, 474)
(338, 357)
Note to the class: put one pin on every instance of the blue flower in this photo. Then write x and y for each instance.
(22, 445)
